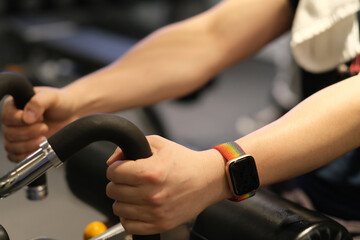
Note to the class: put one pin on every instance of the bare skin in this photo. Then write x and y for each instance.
(172, 186)
(169, 63)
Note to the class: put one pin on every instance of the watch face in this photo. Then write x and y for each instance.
(243, 175)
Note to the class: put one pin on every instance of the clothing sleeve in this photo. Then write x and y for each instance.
(325, 34)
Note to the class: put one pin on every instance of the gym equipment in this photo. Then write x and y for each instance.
(75, 136)
(266, 216)
(22, 91)
(94, 229)
(3, 234)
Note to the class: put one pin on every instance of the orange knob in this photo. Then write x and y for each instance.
(93, 229)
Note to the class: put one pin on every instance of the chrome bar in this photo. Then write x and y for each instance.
(29, 169)
(116, 232)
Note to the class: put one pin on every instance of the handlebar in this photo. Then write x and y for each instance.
(72, 138)
(22, 91)
(120, 131)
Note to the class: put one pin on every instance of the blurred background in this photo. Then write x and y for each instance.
(54, 42)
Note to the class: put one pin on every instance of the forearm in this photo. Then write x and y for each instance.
(317, 131)
(182, 57)
(169, 63)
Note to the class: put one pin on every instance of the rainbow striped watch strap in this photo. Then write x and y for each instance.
(230, 151)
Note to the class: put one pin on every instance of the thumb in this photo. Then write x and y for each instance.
(35, 108)
(33, 112)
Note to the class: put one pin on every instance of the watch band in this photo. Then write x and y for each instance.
(230, 151)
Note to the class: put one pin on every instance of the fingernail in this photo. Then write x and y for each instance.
(29, 116)
(109, 161)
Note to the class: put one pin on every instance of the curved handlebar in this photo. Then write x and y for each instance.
(98, 127)
(69, 140)
(22, 91)
(3, 234)
(17, 86)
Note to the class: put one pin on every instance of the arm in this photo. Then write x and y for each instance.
(169, 63)
(176, 183)
(182, 57)
(320, 129)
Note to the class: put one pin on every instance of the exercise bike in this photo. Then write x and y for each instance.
(266, 216)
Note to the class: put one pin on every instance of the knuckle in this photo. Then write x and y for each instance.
(153, 200)
(154, 175)
(158, 199)
(155, 137)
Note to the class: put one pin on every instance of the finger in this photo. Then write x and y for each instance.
(10, 115)
(126, 193)
(117, 155)
(134, 212)
(24, 146)
(125, 172)
(24, 133)
(16, 158)
(35, 108)
(139, 172)
(118, 171)
(143, 228)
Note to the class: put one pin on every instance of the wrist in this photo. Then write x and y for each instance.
(67, 104)
(83, 100)
(216, 171)
(240, 169)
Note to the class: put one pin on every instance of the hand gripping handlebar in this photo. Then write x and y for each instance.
(72, 138)
(21, 90)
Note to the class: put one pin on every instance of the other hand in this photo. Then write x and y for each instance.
(48, 110)
(169, 188)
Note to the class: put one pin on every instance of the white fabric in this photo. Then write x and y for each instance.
(325, 33)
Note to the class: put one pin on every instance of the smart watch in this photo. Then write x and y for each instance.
(241, 171)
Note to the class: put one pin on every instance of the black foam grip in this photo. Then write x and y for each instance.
(102, 127)
(22, 91)
(17, 86)
(266, 216)
(3, 234)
